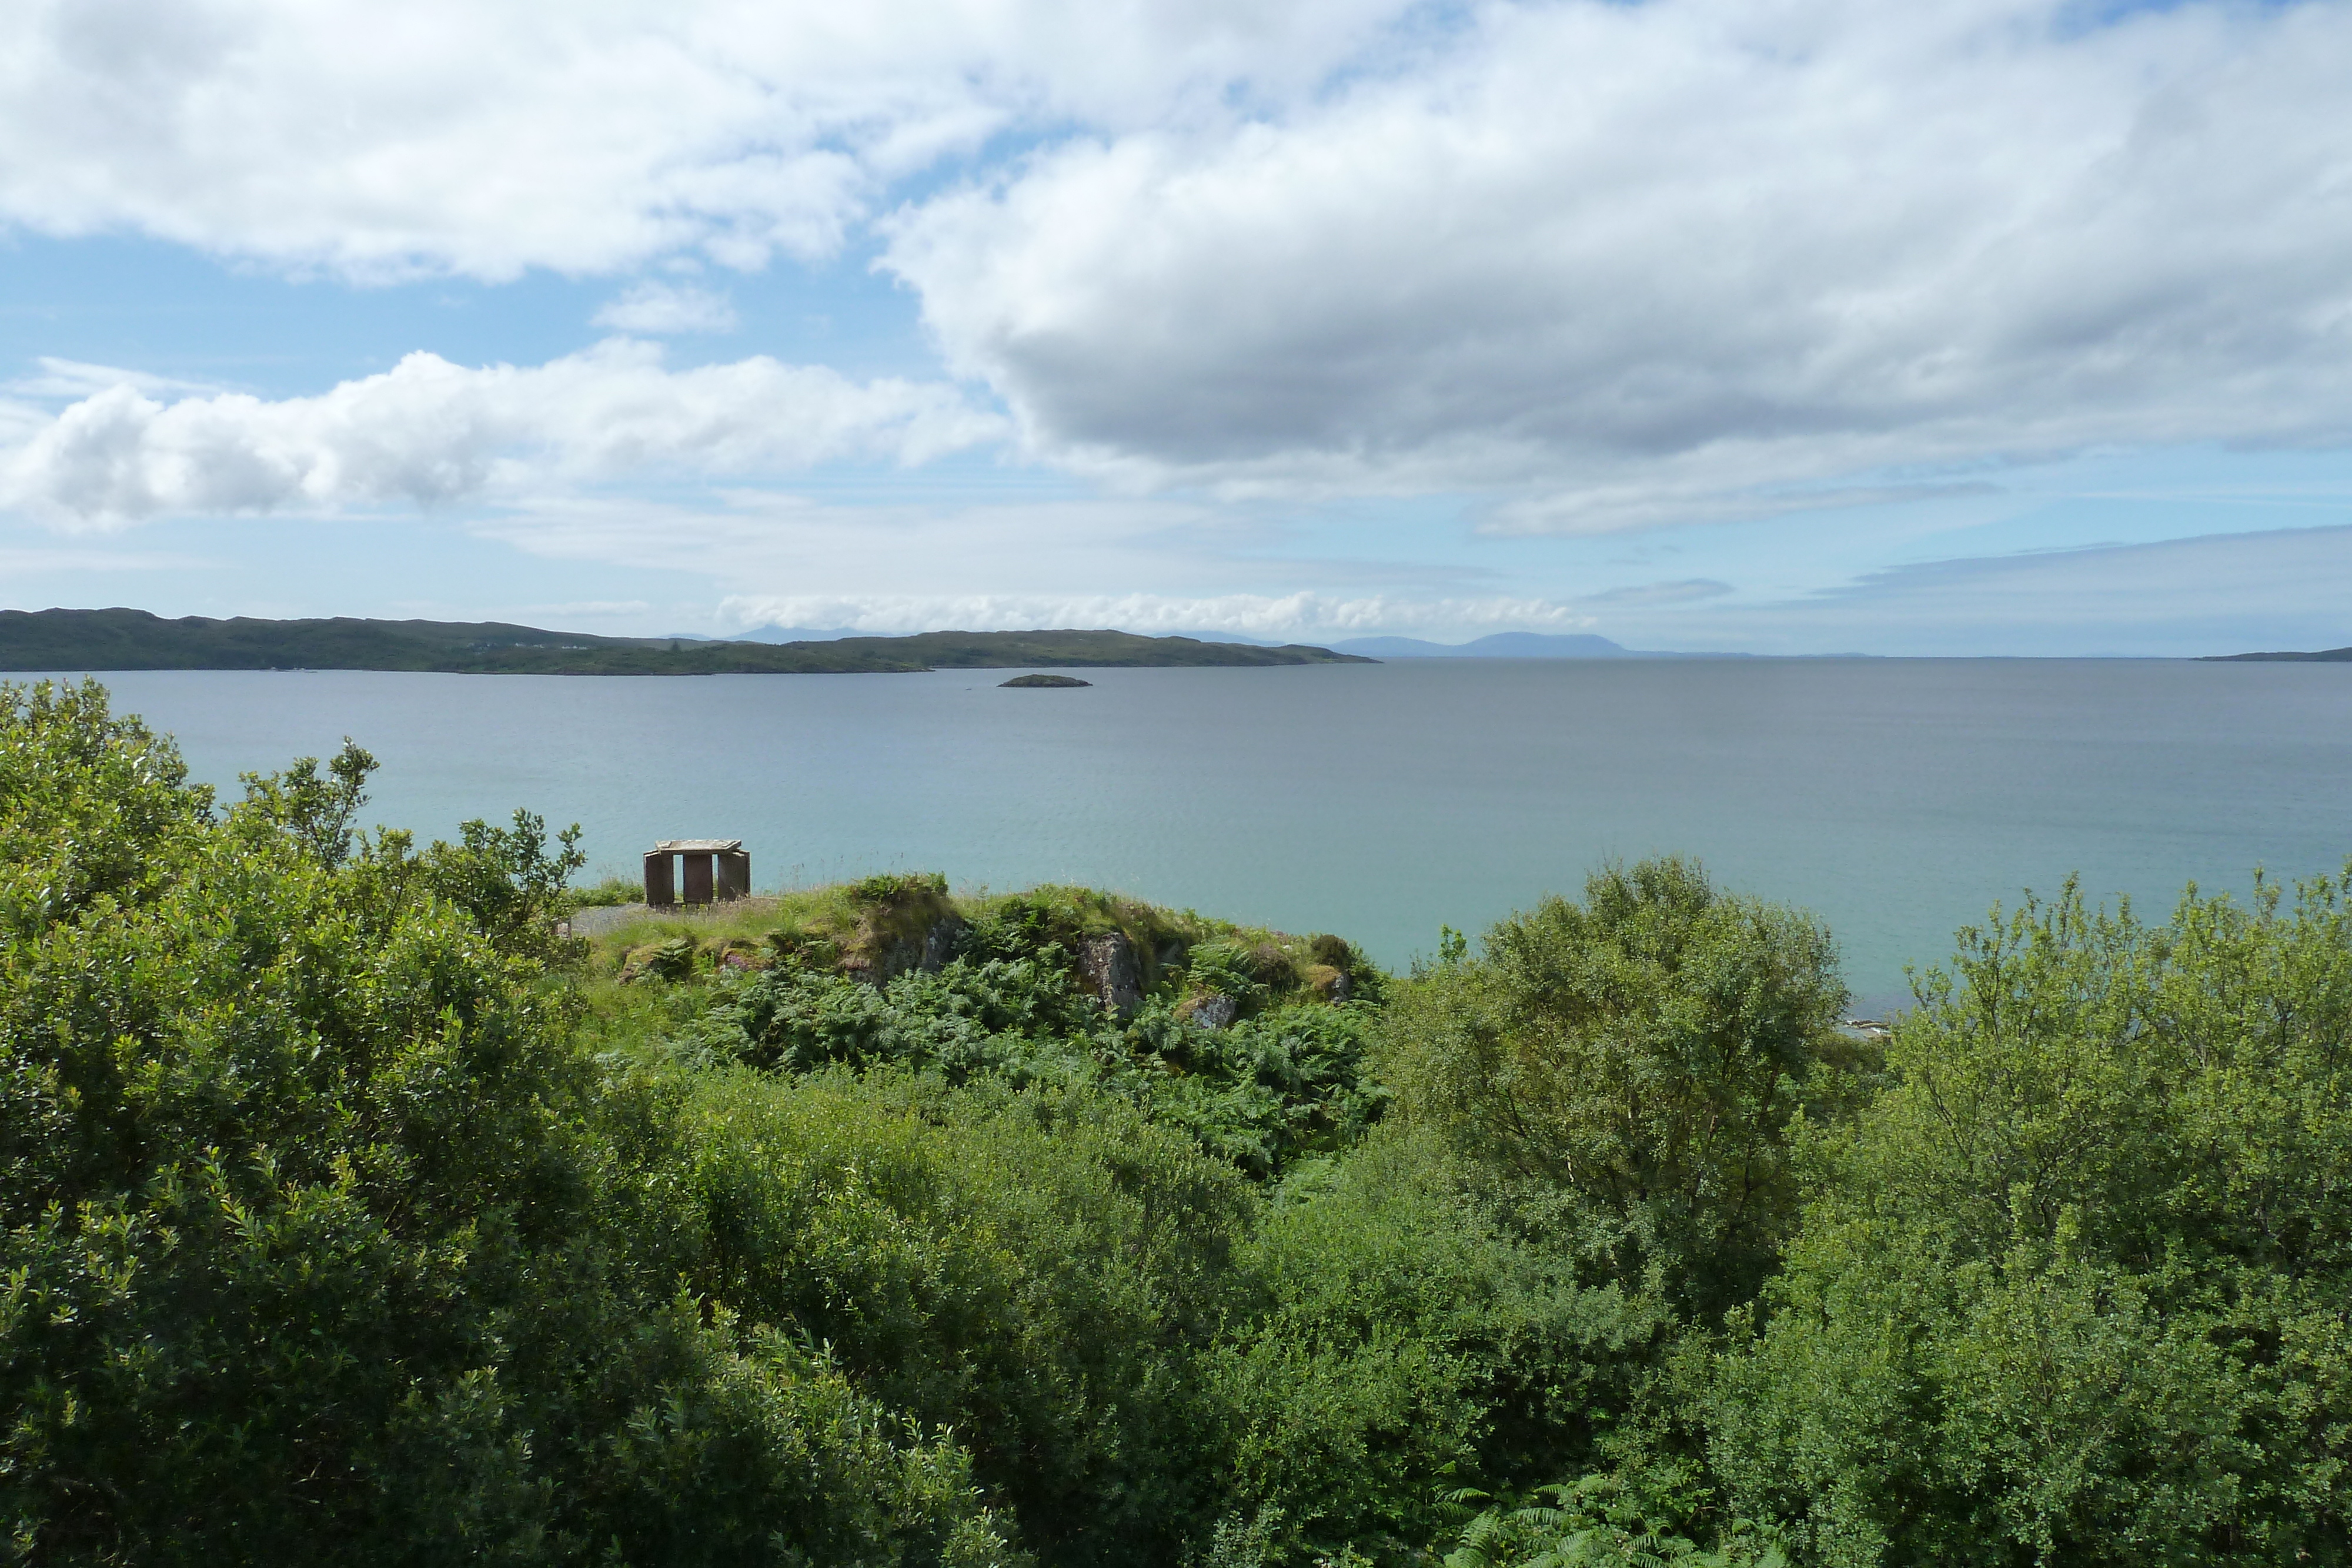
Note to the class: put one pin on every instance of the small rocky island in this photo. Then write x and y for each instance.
(1045, 680)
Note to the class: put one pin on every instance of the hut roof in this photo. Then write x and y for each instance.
(696, 846)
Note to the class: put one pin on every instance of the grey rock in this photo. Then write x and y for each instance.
(940, 942)
(930, 951)
(1112, 973)
(1213, 1011)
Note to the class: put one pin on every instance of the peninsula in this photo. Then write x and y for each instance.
(2325, 657)
(135, 640)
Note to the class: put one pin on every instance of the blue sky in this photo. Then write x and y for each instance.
(1795, 326)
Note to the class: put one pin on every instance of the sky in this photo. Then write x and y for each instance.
(1986, 327)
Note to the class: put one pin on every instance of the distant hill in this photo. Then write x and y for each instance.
(2327, 655)
(1501, 645)
(771, 633)
(135, 640)
(1512, 645)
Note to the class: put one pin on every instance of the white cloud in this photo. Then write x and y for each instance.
(1628, 265)
(1607, 265)
(486, 137)
(428, 431)
(794, 561)
(73, 378)
(663, 308)
(1300, 615)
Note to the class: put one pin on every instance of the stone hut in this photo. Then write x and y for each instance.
(715, 870)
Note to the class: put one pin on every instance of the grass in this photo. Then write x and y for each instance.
(880, 925)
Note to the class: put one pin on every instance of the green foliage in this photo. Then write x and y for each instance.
(135, 640)
(310, 1220)
(318, 814)
(345, 1214)
(1634, 1519)
(608, 893)
(2074, 1290)
(1642, 1055)
(1409, 1339)
(1261, 1093)
(1036, 1271)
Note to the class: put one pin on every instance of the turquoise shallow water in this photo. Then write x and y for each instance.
(1898, 797)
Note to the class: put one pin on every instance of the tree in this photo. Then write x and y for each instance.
(313, 1230)
(2073, 1289)
(1645, 1053)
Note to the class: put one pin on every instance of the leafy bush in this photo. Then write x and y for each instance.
(1644, 1056)
(1635, 1519)
(343, 1214)
(1409, 1340)
(2075, 1289)
(1261, 1093)
(1036, 1271)
(312, 1225)
(609, 894)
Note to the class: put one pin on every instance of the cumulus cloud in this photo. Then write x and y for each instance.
(1606, 265)
(1256, 615)
(486, 137)
(1638, 264)
(660, 310)
(429, 432)
(1038, 563)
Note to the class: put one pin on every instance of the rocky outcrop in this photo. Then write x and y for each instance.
(1326, 983)
(1112, 973)
(668, 960)
(1214, 1011)
(886, 954)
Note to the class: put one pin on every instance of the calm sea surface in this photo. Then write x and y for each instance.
(1898, 797)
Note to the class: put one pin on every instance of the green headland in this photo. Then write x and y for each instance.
(135, 640)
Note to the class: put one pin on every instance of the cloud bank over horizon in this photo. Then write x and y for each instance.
(433, 433)
(1515, 280)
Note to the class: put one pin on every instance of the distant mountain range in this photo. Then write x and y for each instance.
(135, 640)
(774, 633)
(1501, 645)
(2326, 655)
(1510, 645)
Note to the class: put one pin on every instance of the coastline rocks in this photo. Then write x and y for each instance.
(1034, 683)
(1113, 974)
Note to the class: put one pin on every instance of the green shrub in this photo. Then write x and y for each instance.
(1261, 1093)
(609, 894)
(1641, 1517)
(1038, 1271)
(2074, 1290)
(1644, 1057)
(1409, 1342)
(316, 1237)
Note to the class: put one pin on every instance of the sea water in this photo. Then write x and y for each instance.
(1899, 798)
